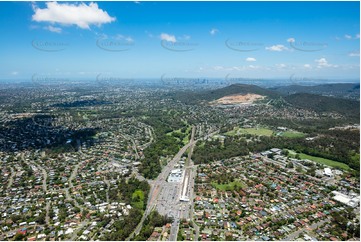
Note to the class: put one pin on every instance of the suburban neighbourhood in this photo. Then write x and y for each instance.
(180, 121)
(258, 198)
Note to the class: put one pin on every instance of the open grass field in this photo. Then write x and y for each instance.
(186, 138)
(232, 132)
(229, 186)
(324, 161)
(252, 131)
(292, 134)
(178, 133)
(138, 199)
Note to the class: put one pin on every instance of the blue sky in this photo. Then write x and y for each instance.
(80, 40)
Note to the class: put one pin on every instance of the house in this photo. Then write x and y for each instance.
(276, 151)
(41, 236)
(265, 238)
(327, 172)
(69, 231)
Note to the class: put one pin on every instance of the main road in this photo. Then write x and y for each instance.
(184, 192)
(159, 183)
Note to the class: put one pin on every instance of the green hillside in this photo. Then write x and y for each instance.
(348, 108)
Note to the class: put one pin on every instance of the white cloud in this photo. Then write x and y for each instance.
(126, 38)
(81, 15)
(354, 54)
(232, 68)
(291, 40)
(322, 62)
(53, 29)
(213, 31)
(281, 65)
(14, 73)
(349, 37)
(224, 68)
(129, 39)
(308, 66)
(218, 68)
(250, 59)
(102, 35)
(277, 48)
(168, 37)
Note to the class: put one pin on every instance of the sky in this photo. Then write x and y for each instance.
(83, 40)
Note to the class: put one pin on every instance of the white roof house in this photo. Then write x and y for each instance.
(69, 231)
(327, 171)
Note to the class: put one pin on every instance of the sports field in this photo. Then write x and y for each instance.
(324, 161)
(292, 134)
(252, 131)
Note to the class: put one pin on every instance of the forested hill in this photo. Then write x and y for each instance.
(237, 89)
(211, 95)
(338, 90)
(318, 103)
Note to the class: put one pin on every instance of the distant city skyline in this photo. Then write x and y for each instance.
(270, 40)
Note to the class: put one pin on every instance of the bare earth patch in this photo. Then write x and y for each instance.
(238, 99)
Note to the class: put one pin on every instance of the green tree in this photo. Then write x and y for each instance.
(299, 169)
(290, 165)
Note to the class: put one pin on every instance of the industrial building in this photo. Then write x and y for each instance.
(175, 175)
(351, 200)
